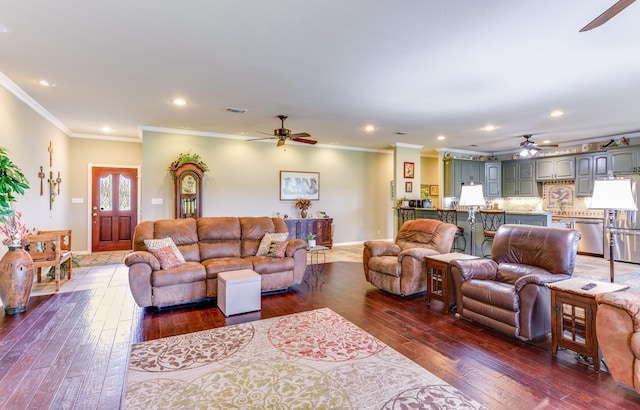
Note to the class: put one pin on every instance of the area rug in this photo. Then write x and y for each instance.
(310, 360)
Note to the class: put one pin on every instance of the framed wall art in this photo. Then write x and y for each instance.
(409, 169)
(433, 190)
(296, 184)
(408, 186)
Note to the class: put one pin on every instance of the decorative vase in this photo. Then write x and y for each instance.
(303, 214)
(16, 279)
(312, 243)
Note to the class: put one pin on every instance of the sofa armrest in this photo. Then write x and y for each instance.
(417, 253)
(483, 269)
(538, 279)
(627, 301)
(142, 257)
(294, 245)
(382, 248)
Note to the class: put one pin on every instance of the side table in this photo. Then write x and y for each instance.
(316, 253)
(573, 316)
(438, 286)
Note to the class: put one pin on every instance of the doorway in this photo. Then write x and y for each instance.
(114, 208)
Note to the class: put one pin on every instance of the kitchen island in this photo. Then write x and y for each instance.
(511, 217)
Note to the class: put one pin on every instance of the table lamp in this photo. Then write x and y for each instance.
(471, 196)
(612, 195)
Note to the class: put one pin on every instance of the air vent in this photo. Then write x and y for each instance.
(235, 110)
(401, 133)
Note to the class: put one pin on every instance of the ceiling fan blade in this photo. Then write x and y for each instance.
(304, 140)
(608, 14)
(280, 142)
(262, 138)
(300, 135)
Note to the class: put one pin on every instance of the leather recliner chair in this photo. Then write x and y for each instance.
(399, 267)
(507, 292)
(618, 333)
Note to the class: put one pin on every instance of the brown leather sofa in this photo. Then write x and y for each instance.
(210, 245)
(618, 333)
(399, 267)
(507, 292)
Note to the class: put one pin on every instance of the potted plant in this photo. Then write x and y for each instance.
(311, 238)
(185, 157)
(303, 204)
(16, 266)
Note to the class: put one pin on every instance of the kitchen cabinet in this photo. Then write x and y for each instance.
(299, 228)
(555, 168)
(624, 160)
(590, 167)
(493, 179)
(518, 178)
(458, 172)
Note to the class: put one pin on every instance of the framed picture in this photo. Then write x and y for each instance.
(295, 184)
(408, 186)
(409, 168)
(433, 190)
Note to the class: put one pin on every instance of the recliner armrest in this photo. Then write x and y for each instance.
(627, 301)
(417, 253)
(382, 248)
(538, 279)
(483, 269)
(294, 245)
(142, 257)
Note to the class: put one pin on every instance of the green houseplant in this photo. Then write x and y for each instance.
(311, 238)
(16, 266)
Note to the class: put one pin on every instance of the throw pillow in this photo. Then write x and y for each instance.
(277, 249)
(166, 251)
(263, 248)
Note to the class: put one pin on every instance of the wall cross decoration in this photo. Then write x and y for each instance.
(50, 149)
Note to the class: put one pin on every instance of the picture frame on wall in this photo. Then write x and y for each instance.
(409, 169)
(434, 190)
(408, 186)
(299, 184)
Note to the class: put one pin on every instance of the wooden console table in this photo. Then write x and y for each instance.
(299, 228)
(438, 277)
(573, 316)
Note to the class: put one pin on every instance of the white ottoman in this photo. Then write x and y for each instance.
(238, 291)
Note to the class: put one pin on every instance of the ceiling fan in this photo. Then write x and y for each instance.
(529, 148)
(282, 134)
(608, 14)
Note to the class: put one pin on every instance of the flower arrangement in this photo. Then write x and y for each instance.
(303, 204)
(15, 231)
(187, 157)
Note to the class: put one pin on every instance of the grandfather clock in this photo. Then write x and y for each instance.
(188, 186)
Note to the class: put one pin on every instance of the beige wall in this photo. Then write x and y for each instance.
(84, 154)
(244, 180)
(26, 135)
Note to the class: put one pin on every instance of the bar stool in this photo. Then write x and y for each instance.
(491, 221)
(450, 216)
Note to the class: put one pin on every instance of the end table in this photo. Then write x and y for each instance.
(438, 286)
(573, 316)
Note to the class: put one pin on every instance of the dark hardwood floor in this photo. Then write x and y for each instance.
(70, 350)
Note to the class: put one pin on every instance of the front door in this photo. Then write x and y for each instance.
(114, 208)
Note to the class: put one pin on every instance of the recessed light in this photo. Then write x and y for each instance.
(4, 29)
(441, 137)
(489, 127)
(46, 83)
(546, 141)
(106, 129)
(179, 101)
(369, 128)
(557, 113)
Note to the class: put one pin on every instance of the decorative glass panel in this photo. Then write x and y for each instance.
(124, 189)
(106, 188)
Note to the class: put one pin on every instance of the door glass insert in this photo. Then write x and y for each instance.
(106, 189)
(574, 325)
(124, 189)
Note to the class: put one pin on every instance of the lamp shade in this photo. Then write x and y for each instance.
(612, 194)
(471, 195)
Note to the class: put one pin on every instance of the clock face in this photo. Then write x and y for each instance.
(189, 185)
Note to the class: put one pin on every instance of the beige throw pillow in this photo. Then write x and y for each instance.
(166, 251)
(263, 249)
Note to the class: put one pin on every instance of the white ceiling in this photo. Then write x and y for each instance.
(423, 67)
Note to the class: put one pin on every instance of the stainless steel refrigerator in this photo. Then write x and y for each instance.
(627, 229)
